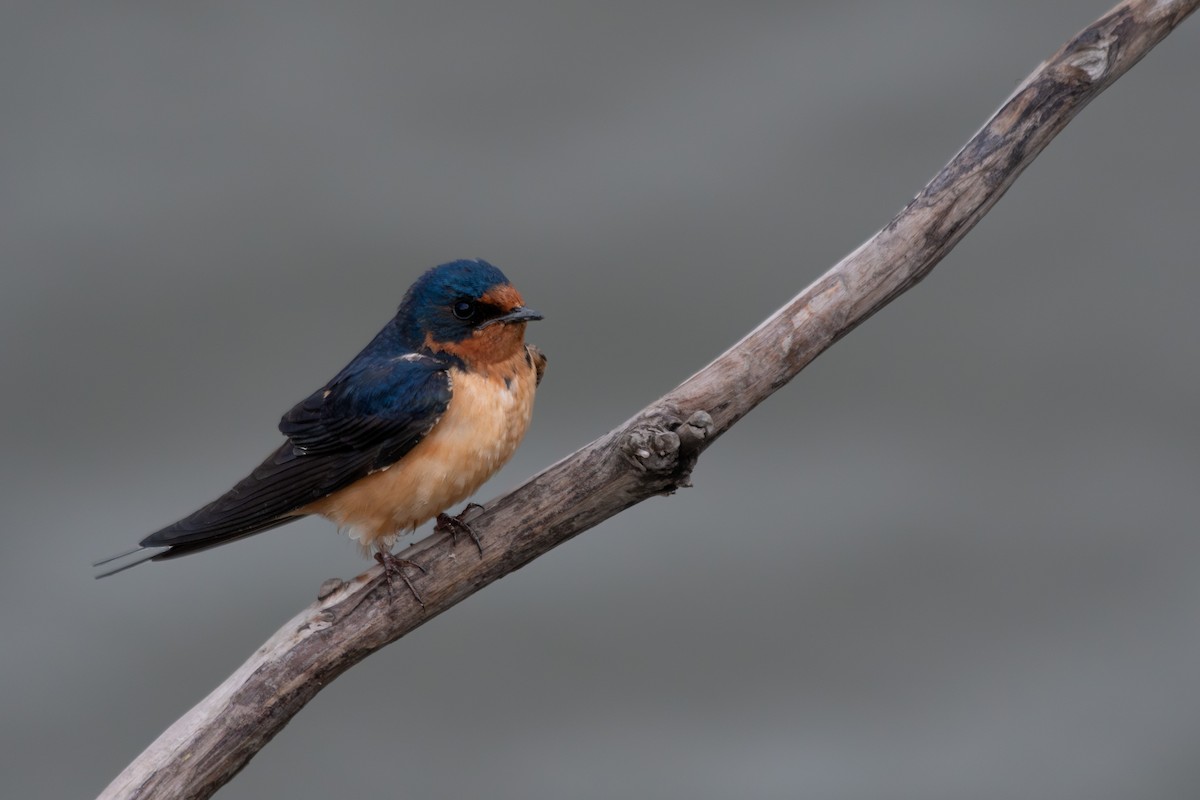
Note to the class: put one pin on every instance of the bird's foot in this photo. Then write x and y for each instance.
(393, 566)
(456, 525)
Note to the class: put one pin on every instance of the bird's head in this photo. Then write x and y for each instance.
(467, 309)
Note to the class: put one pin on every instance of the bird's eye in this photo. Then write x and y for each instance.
(464, 309)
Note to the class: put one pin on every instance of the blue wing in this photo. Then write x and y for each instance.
(369, 416)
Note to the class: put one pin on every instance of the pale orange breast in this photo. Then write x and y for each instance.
(485, 421)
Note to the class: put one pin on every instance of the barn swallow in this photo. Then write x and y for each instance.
(415, 423)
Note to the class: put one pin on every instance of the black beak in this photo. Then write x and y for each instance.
(518, 314)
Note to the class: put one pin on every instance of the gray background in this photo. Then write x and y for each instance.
(956, 558)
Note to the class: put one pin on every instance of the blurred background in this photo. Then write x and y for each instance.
(956, 557)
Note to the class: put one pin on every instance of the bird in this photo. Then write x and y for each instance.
(414, 424)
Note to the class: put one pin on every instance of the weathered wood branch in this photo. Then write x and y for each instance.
(654, 452)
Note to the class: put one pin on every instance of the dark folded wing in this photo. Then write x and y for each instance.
(366, 418)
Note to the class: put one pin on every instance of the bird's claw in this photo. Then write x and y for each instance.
(393, 565)
(458, 524)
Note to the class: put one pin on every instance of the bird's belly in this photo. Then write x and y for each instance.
(483, 424)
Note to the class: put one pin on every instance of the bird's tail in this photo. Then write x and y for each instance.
(144, 554)
(163, 552)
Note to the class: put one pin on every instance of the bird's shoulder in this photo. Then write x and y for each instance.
(376, 400)
(536, 359)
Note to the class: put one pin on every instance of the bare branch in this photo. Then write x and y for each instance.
(654, 452)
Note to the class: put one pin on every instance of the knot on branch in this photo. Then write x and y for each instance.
(668, 448)
(1094, 49)
(1091, 58)
(329, 586)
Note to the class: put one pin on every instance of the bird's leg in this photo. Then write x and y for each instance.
(456, 525)
(393, 565)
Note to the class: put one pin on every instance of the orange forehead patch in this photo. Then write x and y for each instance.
(503, 297)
